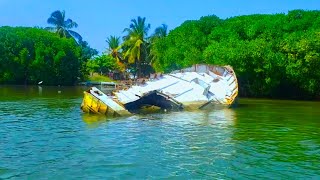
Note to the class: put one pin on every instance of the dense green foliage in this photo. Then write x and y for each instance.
(102, 64)
(115, 51)
(185, 44)
(86, 54)
(135, 54)
(30, 55)
(135, 43)
(273, 55)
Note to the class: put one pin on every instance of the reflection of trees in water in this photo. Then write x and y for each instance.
(52, 97)
(21, 92)
(279, 133)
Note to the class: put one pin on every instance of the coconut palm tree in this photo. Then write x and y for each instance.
(114, 48)
(135, 42)
(159, 33)
(62, 26)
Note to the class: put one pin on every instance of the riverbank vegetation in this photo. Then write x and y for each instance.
(273, 55)
(32, 55)
(96, 77)
(29, 55)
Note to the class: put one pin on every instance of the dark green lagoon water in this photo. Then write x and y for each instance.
(44, 135)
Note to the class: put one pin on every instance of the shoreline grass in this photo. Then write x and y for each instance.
(100, 78)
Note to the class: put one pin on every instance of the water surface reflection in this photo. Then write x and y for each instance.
(46, 135)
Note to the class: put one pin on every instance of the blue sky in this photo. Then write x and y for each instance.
(99, 19)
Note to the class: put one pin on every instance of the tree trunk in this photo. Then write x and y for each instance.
(139, 69)
(136, 70)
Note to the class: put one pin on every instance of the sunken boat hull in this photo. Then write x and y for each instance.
(196, 87)
(96, 102)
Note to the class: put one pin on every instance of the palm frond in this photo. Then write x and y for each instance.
(135, 39)
(57, 14)
(138, 43)
(113, 42)
(63, 14)
(52, 21)
(70, 24)
(161, 31)
(75, 35)
(127, 30)
(57, 17)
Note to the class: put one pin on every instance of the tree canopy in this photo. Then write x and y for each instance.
(135, 44)
(273, 55)
(30, 55)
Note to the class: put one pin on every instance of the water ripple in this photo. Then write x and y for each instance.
(51, 138)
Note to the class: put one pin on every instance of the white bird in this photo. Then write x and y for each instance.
(40, 82)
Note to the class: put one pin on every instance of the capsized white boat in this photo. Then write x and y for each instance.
(196, 87)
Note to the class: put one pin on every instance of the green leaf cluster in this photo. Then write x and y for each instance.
(102, 64)
(30, 55)
(273, 55)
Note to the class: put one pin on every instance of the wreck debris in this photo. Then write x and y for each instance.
(95, 101)
(196, 87)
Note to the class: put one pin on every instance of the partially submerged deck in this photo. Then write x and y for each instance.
(198, 87)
